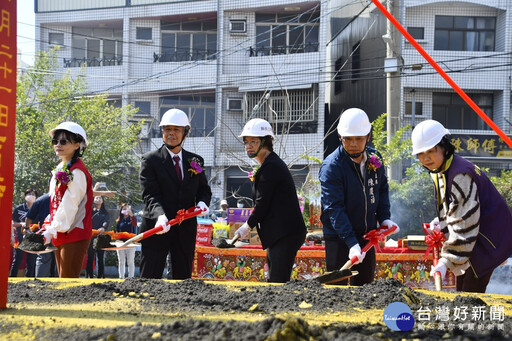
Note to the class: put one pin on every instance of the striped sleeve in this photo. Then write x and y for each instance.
(463, 222)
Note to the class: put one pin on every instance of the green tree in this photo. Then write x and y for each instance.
(412, 200)
(503, 184)
(46, 97)
(397, 149)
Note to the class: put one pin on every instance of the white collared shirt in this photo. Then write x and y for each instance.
(362, 165)
(180, 154)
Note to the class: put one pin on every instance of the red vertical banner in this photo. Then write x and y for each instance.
(8, 54)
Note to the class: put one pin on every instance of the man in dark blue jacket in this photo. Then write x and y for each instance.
(355, 197)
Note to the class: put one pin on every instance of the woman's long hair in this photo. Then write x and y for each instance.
(73, 138)
(103, 209)
(120, 214)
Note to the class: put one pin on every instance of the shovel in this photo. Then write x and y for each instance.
(34, 243)
(373, 238)
(434, 240)
(223, 243)
(182, 215)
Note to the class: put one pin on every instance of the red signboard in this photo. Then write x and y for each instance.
(8, 55)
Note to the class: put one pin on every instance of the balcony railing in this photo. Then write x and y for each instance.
(184, 56)
(78, 62)
(282, 49)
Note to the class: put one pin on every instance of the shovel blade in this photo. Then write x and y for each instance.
(336, 276)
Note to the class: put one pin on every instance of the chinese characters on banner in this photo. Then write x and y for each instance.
(8, 53)
(469, 318)
(480, 145)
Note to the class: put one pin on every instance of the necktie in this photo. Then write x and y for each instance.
(177, 166)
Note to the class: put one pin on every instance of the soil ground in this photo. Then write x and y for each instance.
(142, 309)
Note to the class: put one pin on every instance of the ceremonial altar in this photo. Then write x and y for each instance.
(248, 263)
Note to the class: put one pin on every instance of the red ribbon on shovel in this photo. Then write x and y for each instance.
(434, 240)
(373, 237)
(180, 217)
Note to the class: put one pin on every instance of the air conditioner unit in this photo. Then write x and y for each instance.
(234, 104)
(237, 26)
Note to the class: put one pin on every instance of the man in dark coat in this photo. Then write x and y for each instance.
(171, 179)
(355, 197)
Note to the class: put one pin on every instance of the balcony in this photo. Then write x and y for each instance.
(282, 49)
(184, 56)
(92, 62)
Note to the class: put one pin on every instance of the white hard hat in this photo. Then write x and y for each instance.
(354, 122)
(175, 117)
(427, 135)
(223, 202)
(71, 127)
(257, 127)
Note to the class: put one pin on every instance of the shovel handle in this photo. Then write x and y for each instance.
(159, 228)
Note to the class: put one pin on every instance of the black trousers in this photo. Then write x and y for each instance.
(91, 253)
(180, 245)
(469, 283)
(281, 257)
(336, 255)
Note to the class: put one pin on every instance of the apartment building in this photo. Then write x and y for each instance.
(471, 40)
(222, 62)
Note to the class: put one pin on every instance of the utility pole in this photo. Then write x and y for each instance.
(393, 88)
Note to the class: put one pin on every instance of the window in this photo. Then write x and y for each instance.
(144, 33)
(144, 108)
(188, 41)
(200, 110)
(293, 110)
(56, 39)
(338, 65)
(237, 26)
(235, 104)
(285, 34)
(465, 33)
(356, 62)
(451, 110)
(418, 108)
(96, 47)
(416, 32)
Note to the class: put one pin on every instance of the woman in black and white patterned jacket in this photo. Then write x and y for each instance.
(472, 214)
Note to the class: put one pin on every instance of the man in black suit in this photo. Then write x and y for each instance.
(171, 179)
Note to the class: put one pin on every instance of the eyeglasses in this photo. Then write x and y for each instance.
(62, 142)
(251, 143)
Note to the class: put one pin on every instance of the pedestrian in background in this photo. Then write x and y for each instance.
(126, 222)
(45, 262)
(100, 222)
(18, 224)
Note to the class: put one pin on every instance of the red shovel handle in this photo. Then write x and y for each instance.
(191, 212)
(373, 239)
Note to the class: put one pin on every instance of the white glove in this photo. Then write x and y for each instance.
(243, 231)
(389, 224)
(48, 235)
(434, 225)
(203, 208)
(356, 251)
(162, 221)
(441, 267)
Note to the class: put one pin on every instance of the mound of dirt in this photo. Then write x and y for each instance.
(282, 308)
(102, 241)
(32, 242)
